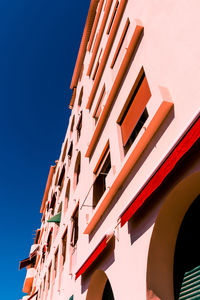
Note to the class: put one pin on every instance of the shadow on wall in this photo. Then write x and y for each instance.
(138, 165)
(105, 259)
(160, 266)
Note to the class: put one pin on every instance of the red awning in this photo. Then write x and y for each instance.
(93, 256)
(189, 139)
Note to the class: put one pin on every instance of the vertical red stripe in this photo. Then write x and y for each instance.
(181, 149)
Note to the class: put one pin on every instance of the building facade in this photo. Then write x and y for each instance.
(120, 212)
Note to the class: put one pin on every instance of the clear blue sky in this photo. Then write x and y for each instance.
(39, 42)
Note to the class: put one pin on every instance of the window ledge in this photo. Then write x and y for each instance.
(109, 194)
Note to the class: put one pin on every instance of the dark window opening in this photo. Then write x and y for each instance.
(74, 235)
(49, 276)
(79, 126)
(98, 107)
(70, 153)
(108, 293)
(49, 240)
(61, 179)
(136, 130)
(99, 185)
(56, 262)
(64, 244)
(135, 112)
(53, 202)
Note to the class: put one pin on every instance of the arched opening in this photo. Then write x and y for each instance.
(162, 279)
(100, 287)
(187, 255)
(77, 170)
(67, 193)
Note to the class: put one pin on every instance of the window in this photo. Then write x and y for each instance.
(56, 262)
(74, 234)
(98, 107)
(64, 151)
(80, 99)
(70, 153)
(135, 113)
(72, 126)
(62, 177)
(101, 173)
(122, 41)
(112, 17)
(64, 244)
(79, 126)
(49, 276)
(67, 196)
(97, 66)
(49, 240)
(77, 170)
(53, 202)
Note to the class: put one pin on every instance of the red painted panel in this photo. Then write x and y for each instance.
(92, 257)
(181, 149)
(135, 111)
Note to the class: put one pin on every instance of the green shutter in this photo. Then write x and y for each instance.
(56, 218)
(72, 297)
(190, 288)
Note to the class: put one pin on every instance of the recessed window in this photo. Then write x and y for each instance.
(77, 170)
(49, 240)
(53, 202)
(74, 234)
(135, 112)
(56, 262)
(112, 17)
(122, 41)
(64, 246)
(49, 276)
(97, 66)
(98, 107)
(62, 177)
(79, 126)
(69, 154)
(64, 152)
(67, 193)
(72, 126)
(101, 173)
(80, 99)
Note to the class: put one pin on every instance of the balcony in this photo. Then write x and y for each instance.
(29, 280)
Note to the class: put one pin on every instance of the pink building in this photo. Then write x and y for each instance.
(120, 213)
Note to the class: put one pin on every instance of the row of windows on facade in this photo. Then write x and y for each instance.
(73, 242)
(131, 121)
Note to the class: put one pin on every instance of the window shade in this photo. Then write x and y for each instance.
(136, 108)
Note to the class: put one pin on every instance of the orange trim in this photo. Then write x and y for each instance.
(120, 75)
(51, 172)
(120, 43)
(97, 65)
(38, 230)
(37, 261)
(107, 51)
(41, 233)
(71, 104)
(112, 17)
(84, 41)
(152, 128)
(101, 157)
(100, 33)
(102, 94)
(96, 20)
